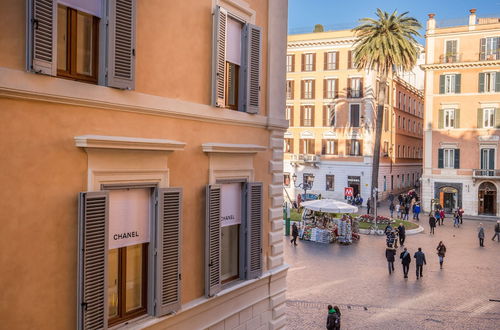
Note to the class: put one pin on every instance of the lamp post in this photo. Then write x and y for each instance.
(304, 185)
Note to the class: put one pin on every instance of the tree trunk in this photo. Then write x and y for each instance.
(378, 136)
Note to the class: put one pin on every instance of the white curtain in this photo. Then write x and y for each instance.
(92, 7)
(233, 54)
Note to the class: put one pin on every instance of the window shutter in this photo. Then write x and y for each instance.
(291, 116)
(254, 229)
(481, 82)
(497, 117)
(313, 89)
(293, 63)
(121, 44)
(325, 115)
(458, 83)
(497, 81)
(480, 118)
(360, 147)
(492, 159)
(325, 88)
(440, 158)
(336, 91)
(168, 268)
(302, 88)
(219, 57)
(482, 49)
(441, 84)
(457, 118)
(348, 147)
(293, 88)
(313, 115)
(251, 66)
(336, 60)
(457, 158)
(336, 147)
(303, 62)
(314, 62)
(42, 36)
(360, 87)
(92, 307)
(302, 115)
(325, 61)
(323, 147)
(348, 87)
(212, 241)
(441, 119)
(349, 59)
(301, 146)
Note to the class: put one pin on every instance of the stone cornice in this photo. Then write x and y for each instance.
(130, 143)
(320, 43)
(460, 65)
(232, 148)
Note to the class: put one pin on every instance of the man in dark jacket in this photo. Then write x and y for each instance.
(295, 233)
(420, 260)
(432, 223)
(402, 234)
(389, 255)
(497, 231)
(405, 260)
(333, 319)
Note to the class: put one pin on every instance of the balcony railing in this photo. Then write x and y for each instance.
(305, 158)
(450, 58)
(307, 122)
(490, 174)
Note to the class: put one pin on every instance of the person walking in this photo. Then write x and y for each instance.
(480, 234)
(417, 211)
(441, 251)
(337, 310)
(332, 320)
(461, 213)
(497, 231)
(456, 219)
(420, 261)
(391, 208)
(437, 215)
(295, 233)
(390, 252)
(405, 261)
(441, 216)
(398, 210)
(407, 211)
(402, 234)
(368, 205)
(432, 223)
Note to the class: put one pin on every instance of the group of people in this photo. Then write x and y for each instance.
(403, 205)
(419, 256)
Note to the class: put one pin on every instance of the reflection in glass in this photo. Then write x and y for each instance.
(133, 275)
(229, 252)
(113, 282)
(84, 44)
(62, 37)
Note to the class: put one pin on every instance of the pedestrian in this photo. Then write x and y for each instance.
(417, 211)
(407, 212)
(456, 219)
(480, 234)
(402, 234)
(461, 213)
(420, 261)
(441, 251)
(400, 199)
(390, 252)
(337, 310)
(437, 215)
(432, 223)
(391, 197)
(295, 233)
(332, 320)
(391, 209)
(441, 215)
(405, 261)
(398, 211)
(497, 231)
(388, 229)
(391, 239)
(368, 205)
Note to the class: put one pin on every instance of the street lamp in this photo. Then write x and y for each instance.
(304, 185)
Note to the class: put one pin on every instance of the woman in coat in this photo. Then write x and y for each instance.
(441, 251)
(480, 234)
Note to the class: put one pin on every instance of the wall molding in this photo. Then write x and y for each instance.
(129, 143)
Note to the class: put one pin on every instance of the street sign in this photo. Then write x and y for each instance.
(348, 191)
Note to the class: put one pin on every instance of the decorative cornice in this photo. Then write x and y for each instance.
(460, 65)
(130, 143)
(232, 148)
(320, 43)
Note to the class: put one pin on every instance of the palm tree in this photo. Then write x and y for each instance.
(385, 45)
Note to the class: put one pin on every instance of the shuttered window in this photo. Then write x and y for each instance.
(290, 63)
(354, 115)
(289, 89)
(289, 115)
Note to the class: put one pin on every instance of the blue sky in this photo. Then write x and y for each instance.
(337, 15)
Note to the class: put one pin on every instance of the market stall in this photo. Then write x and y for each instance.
(321, 224)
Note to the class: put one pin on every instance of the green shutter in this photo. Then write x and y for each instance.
(441, 119)
(441, 84)
(481, 82)
(497, 82)
(479, 118)
(457, 118)
(440, 158)
(458, 78)
(497, 117)
(492, 159)
(457, 158)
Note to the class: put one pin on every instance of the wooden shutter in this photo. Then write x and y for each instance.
(291, 116)
(325, 116)
(349, 59)
(458, 78)
(336, 60)
(252, 40)
(313, 89)
(302, 88)
(219, 57)
(42, 34)
(336, 147)
(497, 82)
(457, 118)
(303, 62)
(336, 90)
(491, 159)
(293, 89)
(497, 117)
(325, 88)
(348, 87)
(481, 82)
(121, 44)
(348, 147)
(313, 115)
(254, 229)
(301, 146)
(441, 84)
(302, 115)
(360, 87)
(323, 147)
(482, 49)
(440, 158)
(441, 118)
(325, 61)
(212, 240)
(360, 147)
(457, 159)
(293, 63)
(480, 118)
(168, 237)
(92, 307)
(314, 62)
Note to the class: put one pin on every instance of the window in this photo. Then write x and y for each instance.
(306, 146)
(329, 118)
(290, 63)
(487, 159)
(308, 62)
(399, 151)
(330, 88)
(289, 89)
(386, 119)
(288, 145)
(402, 180)
(392, 182)
(404, 151)
(400, 100)
(354, 115)
(330, 182)
(488, 118)
(329, 147)
(404, 102)
(307, 178)
(385, 183)
(449, 83)
(488, 81)
(448, 158)
(449, 118)
(451, 55)
(399, 182)
(77, 44)
(404, 120)
(286, 179)
(350, 59)
(331, 60)
(289, 115)
(354, 148)
(308, 89)
(355, 87)
(489, 48)
(386, 149)
(307, 116)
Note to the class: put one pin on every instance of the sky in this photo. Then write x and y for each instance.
(338, 15)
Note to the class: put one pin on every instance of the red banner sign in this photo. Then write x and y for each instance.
(348, 192)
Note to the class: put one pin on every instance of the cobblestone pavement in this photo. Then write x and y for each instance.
(356, 279)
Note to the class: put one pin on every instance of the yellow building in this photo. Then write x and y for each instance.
(331, 110)
(462, 85)
(141, 166)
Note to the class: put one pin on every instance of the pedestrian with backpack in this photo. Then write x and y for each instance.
(441, 251)
(333, 319)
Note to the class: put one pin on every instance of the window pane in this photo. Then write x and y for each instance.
(62, 37)
(232, 85)
(113, 282)
(229, 252)
(84, 41)
(134, 277)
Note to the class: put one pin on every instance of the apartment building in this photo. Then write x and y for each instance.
(331, 111)
(462, 119)
(141, 166)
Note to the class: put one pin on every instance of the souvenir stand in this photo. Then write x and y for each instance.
(319, 224)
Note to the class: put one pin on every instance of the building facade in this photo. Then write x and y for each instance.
(462, 85)
(141, 146)
(331, 111)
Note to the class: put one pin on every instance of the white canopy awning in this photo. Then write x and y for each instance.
(329, 206)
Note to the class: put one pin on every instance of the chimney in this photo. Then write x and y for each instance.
(472, 17)
(431, 23)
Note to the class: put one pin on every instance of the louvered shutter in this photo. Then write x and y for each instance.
(441, 84)
(325, 88)
(325, 115)
(313, 89)
(325, 61)
(323, 147)
(302, 115)
(293, 63)
(458, 78)
(254, 229)
(360, 147)
(302, 88)
(480, 118)
(349, 87)
(481, 82)
(491, 159)
(293, 89)
(313, 115)
(497, 117)
(168, 267)
(497, 82)
(212, 240)
(252, 44)
(219, 57)
(336, 90)
(482, 49)
(336, 147)
(121, 44)
(92, 310)
(348, 147)
(457, 158)
(314, 62)
(291, 116)
(457, 118)
(42, 34)
(303, 62)
(349, 60)
(440, 158)
(301, 146)
(360, 87)
(336, 60)
(441, 119)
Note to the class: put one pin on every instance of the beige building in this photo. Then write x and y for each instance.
(331, 105)
(141, 164)
(462, 86)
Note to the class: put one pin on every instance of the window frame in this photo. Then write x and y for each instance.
(308, 62)
(331, 87)
(449, 83)
(331, 60)
(489, 81)
(448, 158)
(449, 119)
(351, 117)
(355, 92)
(289, 62)
(308, 85)
(330, 178)
(307, 116)
(491, 118)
